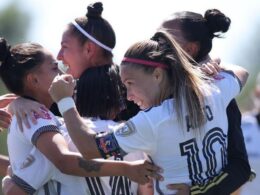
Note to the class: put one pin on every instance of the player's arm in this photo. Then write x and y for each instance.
(240, 72)
(55, 148)
(82, 136)
(4, 163)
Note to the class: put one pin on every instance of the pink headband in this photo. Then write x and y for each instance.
(145, 62)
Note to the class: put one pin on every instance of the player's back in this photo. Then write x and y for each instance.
(187, 155)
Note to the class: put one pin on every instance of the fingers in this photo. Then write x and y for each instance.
(25, 120)
(5, 119)
(153, 171)
(211, 68)
(9, 171)
(6, 99)
(62, 86)
(19, 122)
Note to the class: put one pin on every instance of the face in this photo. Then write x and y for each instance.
(72, 54)
(142, 88)
(46, 73)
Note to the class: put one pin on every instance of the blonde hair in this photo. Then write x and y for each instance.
(185, 79)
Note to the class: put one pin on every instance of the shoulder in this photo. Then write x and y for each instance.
(159, 112)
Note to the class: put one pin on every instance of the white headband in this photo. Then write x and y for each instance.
(90, 37)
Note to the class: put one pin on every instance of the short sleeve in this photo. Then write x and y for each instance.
(46, 123)
(137, 134)
(35, 164)
(228, 84)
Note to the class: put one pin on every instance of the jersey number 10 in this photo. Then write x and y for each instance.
(198, 173)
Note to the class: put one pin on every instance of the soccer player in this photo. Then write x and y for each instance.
(195, 34)
(28, 70)
(183, 110)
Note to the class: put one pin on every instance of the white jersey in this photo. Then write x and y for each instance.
(184, 157)
(251, 131)
(114, 184)
(32, 170)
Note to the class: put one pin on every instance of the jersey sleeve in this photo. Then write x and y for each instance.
(137, 134)
(228, 84)
(46, 123)
(35, 164)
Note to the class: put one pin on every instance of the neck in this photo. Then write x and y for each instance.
(44, 99)
(166, 92)
(102, 61)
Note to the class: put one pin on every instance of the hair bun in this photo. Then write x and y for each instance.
(4, 50)
(217, 21)
(95, 10)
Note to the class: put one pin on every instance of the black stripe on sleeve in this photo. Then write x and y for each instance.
(22, 184)
(44, 129)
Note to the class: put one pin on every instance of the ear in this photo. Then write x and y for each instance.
(31, 79)
(89, 48)
(158, 74)
(192, 48)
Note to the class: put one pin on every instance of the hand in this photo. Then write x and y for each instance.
(5, 119)
(182, 189)
(9, 171)
(62, 86)
(6, 99)
(212, 67)
(25, 109)
(141, 171)
(10, 188)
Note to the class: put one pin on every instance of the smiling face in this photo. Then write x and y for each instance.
(143, 88)
(46, 72)
(39, 80)
(72, 54)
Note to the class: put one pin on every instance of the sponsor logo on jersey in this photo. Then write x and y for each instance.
(45, 114)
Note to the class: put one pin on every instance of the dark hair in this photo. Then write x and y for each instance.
(185, 79)
(99, 92)
(195, 27)
(17, 61)
(96, 26)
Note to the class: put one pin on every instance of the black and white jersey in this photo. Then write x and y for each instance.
(186, 155)
(116, 185)
(32, 170)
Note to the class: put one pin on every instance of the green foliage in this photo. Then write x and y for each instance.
(248, 56)
(14, 23)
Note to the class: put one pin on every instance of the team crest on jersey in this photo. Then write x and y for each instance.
(126, 130)
(28, 161)
(45, 114)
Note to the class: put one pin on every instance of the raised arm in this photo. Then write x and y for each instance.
(240, 72)
(82, 136)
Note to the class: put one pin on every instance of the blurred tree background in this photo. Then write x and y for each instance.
(14, 25)
(248, 56)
